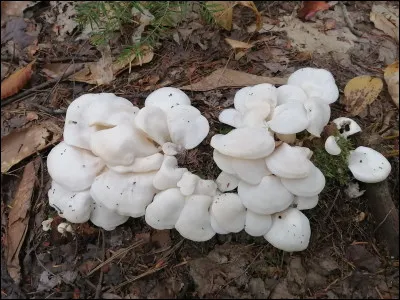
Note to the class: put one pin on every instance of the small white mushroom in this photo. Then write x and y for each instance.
(152, 120)
(368, 165)
(167, 98)
(318, 113)
(256, 116)
(240, 99)
(227, 182)
(205, 187)
(289, 118)
(165, 209)
(194, 222)
(303, 203)
(231, 117)
(127, 194)
(72, 167)
(187, 183)
(289, 162)
(224, 162)
(290, 93)
(346, 126)
(268, 197)
(215, 226)
(75, 207)
(247, 143)
(316, 83)
(250, 170)
(169, 174)
(331, 146)
(63, 228)
(259, 94)
(186, 125)
(290, 231)
(46, 224)
(309, 186)
(141, 164)
(257, 224)
(106, 218)
(228, 212)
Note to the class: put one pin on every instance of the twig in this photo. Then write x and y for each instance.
(50, 111)
(384, 219)
(349, 23)
(330, 208)
(98, 288)
(40, 86)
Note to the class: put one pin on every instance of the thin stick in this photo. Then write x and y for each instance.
(330, 208)
(40, 86)
(384, 219)
(98, 288)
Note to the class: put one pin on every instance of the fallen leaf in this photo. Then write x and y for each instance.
(391, 76)
(360, 92)
(310, 8)
(133, 59)
(238, 44)
(385, 20)
(18, 218)
(20, 31)
(20, 144)
(13, 84)
(222, 12)
(226, 78)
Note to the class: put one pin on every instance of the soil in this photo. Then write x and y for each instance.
(346, 259)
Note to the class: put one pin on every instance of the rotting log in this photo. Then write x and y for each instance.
(386, 215)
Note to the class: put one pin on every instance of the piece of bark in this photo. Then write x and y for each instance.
(386, 215)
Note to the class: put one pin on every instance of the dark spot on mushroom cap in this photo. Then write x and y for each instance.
(170, 95)
(360, 160)
(280, 217)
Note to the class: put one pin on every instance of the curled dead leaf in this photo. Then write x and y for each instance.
(226, 78)
(13, 84)
(238, 44)
(310, 8)
(18, 218)
(391, 76)
(20, 144)
(360, 92)
(386, 20)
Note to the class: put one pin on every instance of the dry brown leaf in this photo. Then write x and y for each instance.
(360, 92)
(18, 218)
(13, 84)
(238, 44)
(391, 76)
(222, 12)
(20, 144)
(133, 60)
(226, 78)
(385, 20)
(310, 8)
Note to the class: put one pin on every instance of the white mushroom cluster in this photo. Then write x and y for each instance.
(366, 164)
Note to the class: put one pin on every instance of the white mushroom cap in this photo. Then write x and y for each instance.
(194, 222)
(73, 206)
(309, 186)
(231, 117)
(46, 224)
(167, 98)
(240, 99)
(289, 162)
(290, 231)
(224, 162)
(316, 83)
(90, 108)
(256, 224)
(169, 174)
(165, 209)
(127, 194)
(289, 118)
(106, 218)
(268, 197)
(141, 164)
(250, 170)
(152, 120)
(347, 126)
(306, 151)
(303, 203)
(187, 183)
(215, 226)
(172, 149)
(227, 182)
(205, 187)
(74, 168)
(256, 116)
(64, 227)
(331, 146)
(228, 212)
(121, 144)
(368, 165)
(290, 93)
(261, 93)
(318, 113)
(248, 143)
(186, 125)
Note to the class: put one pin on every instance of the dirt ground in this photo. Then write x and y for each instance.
(344, 260)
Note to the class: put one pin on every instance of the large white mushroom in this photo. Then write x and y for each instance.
(228, 212)
(290, 93)
(257, 224)
(227, 182)
(106, 218)
(167, 98)
(289, 118)
(169, 174)
(331, 146)
(318, 113)
(73, 168)
(290, 230)
(368, 165)
(141, 164)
